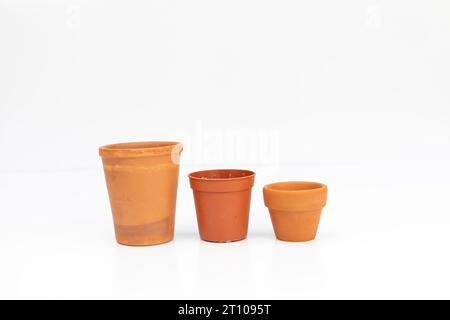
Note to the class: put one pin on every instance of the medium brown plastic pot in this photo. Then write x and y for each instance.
(222, 201)
(142, 180)
(295, 208)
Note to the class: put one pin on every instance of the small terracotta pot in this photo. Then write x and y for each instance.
(295, 208)
(222, 201)
(142, 180)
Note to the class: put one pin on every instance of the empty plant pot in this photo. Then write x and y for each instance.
(222, 201)
(142, 179)
(295, 208)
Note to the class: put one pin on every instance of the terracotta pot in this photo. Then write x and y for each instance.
(295, 208)
(142, 179)
(222, 201)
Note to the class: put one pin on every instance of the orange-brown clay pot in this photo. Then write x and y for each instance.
(295, 208)
(142, 179)
(222, 201)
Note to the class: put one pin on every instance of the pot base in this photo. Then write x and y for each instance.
(295, 226)
(223, 241)
(143, 244)
(145, 235)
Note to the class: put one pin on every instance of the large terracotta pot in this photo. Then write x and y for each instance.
(295, 208)
(222, 201)
(142, 179)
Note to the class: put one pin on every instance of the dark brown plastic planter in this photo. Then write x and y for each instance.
(295, 208)
(222, 201)
(142, 179)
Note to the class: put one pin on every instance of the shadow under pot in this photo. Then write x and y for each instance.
(142, 180)
(295, 208)
(222, 202)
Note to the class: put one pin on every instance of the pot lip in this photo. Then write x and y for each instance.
(315, 187)
(249, 174)
(140, 148)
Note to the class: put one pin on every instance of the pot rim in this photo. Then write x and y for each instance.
(315, 186)
(249, 174)
(140, 149)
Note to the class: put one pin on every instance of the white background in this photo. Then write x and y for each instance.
(355, 94)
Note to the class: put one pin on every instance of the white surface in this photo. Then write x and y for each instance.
(354, 94)
(384, 234)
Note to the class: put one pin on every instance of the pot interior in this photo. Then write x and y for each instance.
(295, 186)
(221, 174)
(139, 145)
